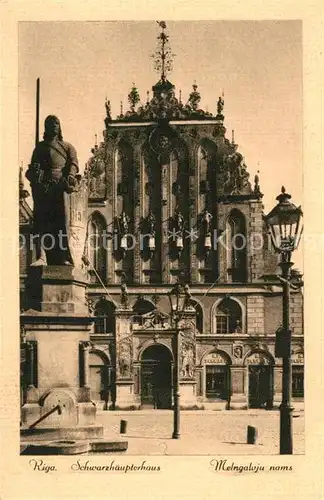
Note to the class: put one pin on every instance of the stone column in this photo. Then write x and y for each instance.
(32, 392)
(31, 359)
(239, 390)
(84, 380)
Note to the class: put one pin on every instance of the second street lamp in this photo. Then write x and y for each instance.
(284, 223)
(179, 298)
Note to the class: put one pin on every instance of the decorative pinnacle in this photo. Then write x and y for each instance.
(233, 139)
(283, 196)
(163, 57)
(133, 97)
(257, 182)
(96, 141)
(108, 108)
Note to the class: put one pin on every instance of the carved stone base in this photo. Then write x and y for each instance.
(125, 397)
(188, 398)
(57, 289)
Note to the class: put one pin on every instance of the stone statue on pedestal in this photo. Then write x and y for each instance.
(53, 178)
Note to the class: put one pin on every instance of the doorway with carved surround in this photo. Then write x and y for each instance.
(156, 378)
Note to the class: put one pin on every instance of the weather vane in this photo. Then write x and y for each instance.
(163, 57)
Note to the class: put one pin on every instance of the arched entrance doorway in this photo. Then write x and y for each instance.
(100, 383)
(260, 380)
(156, 377)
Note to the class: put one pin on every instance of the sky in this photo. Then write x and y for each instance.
(258, 65)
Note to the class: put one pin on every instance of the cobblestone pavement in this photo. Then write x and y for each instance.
(202, 432)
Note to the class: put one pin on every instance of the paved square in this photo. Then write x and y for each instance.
(202, 432)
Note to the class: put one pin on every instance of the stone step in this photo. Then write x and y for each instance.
(65, 447)
(61, 433)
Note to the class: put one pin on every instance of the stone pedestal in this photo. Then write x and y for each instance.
(239, 397)
(57, 331)
(125, 398)
(188, 398)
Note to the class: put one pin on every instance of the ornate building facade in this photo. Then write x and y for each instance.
(170, 200)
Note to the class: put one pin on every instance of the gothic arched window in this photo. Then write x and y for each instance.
(206, 166)
(96, 245)
(237, 246)
(104, 317)
(228, 317)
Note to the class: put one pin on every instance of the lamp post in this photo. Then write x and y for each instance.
(284, 223)
(179, 297)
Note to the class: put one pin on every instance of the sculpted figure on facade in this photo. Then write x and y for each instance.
(220, 105)
(123, 223)
(124, 360)
(53, 175)
(205, 222)
(236, 177)
(151, 222)
(188, 359)
(179, 222)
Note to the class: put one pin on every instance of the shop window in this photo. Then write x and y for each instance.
(228, 317)
(217, 382)
(297, 381)
(104, 317)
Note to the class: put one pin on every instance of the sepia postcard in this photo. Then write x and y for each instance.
(161, 251)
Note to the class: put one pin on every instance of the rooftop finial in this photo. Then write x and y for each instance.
(220, 105)
(133, 98)
(96, 140)
(180, 97)
(147, 97)
(233, 138)
(108, 108)
(163, 58)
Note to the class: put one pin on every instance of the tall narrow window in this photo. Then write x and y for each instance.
(228, 317)
(104, 317)
(199, 315)
(237, 247)
(96, 248)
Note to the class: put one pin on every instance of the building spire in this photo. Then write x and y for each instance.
(163, 57)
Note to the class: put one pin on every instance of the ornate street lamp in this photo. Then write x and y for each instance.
(285, 227)
(179, 298)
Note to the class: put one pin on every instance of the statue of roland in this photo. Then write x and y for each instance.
(52, 173)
